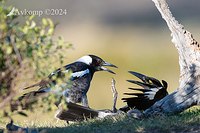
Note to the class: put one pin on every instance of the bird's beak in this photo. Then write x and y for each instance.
(108, 64)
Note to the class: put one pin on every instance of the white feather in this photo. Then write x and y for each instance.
(150, 95)
(154, 89)
(77, 74)
(85, 59)
(66, 71)
(59, 88)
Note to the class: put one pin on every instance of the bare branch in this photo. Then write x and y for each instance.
(188, 92)
(188, 48)
(114, 91)
(17, 53)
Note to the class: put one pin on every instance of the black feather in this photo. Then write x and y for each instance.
(144, 85)
(72, 80)
(76, 112)
(141, 101)
(146, 79)
(139, 75)
(143, 90)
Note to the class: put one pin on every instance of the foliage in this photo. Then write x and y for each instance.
(27, 51)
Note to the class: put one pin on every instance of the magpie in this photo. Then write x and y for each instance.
(80, 75)
(77, 112)
(153, 91)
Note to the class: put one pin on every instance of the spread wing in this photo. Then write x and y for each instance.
(153, 90)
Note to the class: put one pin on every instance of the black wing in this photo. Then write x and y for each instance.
(47, 83)
(153, 91)
(71, 68)
(60, 73)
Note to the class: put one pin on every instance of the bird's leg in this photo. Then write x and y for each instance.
(84, 101)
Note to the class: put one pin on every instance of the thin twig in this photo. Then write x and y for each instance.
(114, 91)
(10, 96)
(17, 54)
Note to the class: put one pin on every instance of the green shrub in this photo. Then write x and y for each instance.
(27, 51)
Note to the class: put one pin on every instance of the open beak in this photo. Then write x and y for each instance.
(106, 69)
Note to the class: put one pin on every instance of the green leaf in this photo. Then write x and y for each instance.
(42, 32)
(44, 21)
(36, 46)
(56, 24)
(60, 37)
(27, 22)
(50, 22)
(69, 45)
(25, 29)
(50, 31)
(33, 24)
(4, 27)
(29, 51)
(22, 113)
(31, 17)
(9, 50)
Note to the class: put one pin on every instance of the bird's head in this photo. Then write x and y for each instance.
(96, 63)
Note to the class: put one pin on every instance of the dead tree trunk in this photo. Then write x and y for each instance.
(188, 93)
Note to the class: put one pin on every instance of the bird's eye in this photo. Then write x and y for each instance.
(99, 61)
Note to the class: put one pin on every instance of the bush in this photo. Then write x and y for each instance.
(26, 52)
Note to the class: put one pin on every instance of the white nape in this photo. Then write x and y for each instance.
(85, 59)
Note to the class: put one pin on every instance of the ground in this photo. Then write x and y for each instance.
(188, 121)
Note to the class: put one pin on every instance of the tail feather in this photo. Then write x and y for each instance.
(134, 99)
(136, 89)
(136, 94)
(34, 94)
(43, 84)
(76, 112)
(26, 100)
(37, 84)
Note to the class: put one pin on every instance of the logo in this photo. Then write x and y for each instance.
(11, 12)
(15, 11)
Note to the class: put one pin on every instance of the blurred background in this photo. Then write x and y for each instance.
(129, 34)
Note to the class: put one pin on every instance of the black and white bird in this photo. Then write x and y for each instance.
(153, 91)
(81, 73)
